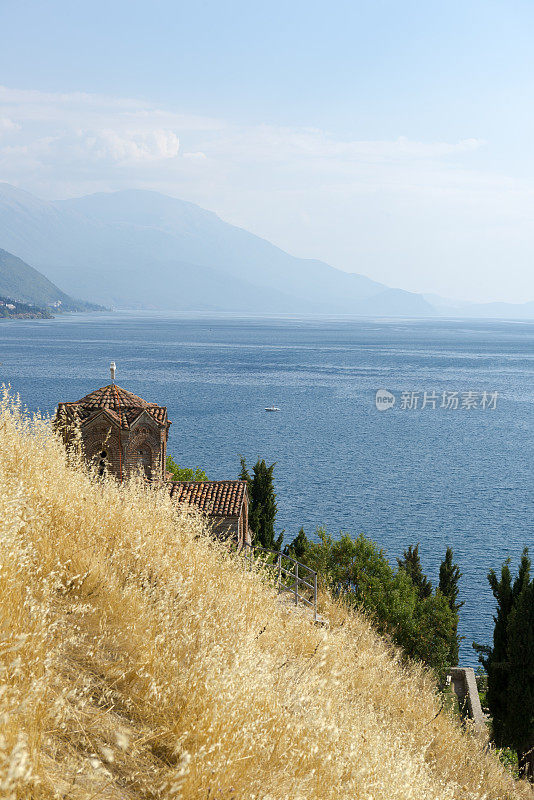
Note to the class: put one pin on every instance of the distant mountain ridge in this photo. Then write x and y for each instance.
(19, 281)
(495, 310)
(142, 249)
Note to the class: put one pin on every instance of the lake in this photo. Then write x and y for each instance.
(442, 475)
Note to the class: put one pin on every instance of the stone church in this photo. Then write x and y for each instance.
(120, 432)
(124, 435)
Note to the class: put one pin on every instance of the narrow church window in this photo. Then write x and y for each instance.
(102, 464)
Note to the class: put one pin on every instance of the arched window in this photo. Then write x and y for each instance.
(102, 464)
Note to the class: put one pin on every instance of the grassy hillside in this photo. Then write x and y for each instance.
(20, 281)
(140, 660)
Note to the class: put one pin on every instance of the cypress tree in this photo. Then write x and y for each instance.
(411, 563)
(262, 509)
(449, 576)
(495, 659)
(518, 728)
(523, 575)
(298, 547)
(244, 474)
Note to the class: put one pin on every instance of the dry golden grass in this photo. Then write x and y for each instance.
(139, 659)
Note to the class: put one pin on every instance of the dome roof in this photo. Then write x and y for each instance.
(121, 406)
(113, 397)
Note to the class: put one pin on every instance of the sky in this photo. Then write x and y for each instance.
(390, 138)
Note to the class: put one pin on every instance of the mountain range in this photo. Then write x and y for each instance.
(19, 281)
(141, 249)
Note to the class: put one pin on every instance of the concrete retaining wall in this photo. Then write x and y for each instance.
(464, 685)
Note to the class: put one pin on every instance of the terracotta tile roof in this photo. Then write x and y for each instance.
(217, 498)
(113, 396)
(121, 406)
(158, 412)
(73, 411)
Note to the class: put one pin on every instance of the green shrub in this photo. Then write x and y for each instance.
(185, 473)
(358, 570)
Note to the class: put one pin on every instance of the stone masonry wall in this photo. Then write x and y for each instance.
(130, 451)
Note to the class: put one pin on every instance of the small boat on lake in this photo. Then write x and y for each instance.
(273, 408)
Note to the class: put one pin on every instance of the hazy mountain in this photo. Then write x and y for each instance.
(458, 308)
(14, 309)
(500, 310)
(19, 281)
(143, 249)
(387, 302)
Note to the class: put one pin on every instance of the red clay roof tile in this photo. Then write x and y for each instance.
(122, 406)
(216, 498)
(112, 396)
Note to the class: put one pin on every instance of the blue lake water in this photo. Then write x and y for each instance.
(460, 476)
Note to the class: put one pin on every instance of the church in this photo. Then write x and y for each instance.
(124, 435)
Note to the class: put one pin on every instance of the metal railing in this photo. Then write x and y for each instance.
(288, 580)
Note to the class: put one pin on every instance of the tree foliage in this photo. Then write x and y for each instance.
(359, 571)
(518, 727)
(185, 473)
(509, 663)
(298, 547)
(449, 577)
(262, 504)
(411, 563)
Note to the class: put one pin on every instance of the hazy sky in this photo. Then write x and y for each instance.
(389, 138)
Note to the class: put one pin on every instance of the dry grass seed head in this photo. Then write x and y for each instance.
(140, 659)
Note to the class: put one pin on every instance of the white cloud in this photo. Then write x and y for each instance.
(123, 130)
(273, 143)
(7, 124)
(130, 146)
(196, 156)
(426, 209)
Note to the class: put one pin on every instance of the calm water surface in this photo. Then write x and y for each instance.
(458, 477)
